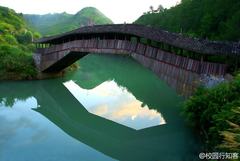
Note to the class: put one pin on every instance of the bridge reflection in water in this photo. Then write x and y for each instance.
(167, 54)
(110, 138)
(164, 142)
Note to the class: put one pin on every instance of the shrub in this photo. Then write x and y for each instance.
(25, 37)
(214, 111)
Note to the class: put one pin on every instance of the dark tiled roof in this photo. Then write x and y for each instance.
(174, 39)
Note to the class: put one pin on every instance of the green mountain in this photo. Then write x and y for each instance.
(211, 19)
(50, 24)
(15, 46)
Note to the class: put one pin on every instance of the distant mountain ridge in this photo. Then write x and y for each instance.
(51, 24)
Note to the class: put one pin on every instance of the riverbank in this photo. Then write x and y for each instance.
(25, 69)
(16, 65)
(214, 112)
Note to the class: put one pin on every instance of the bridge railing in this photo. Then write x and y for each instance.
(154, 53)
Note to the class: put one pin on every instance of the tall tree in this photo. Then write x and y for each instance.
(151, 8)
(160, 8)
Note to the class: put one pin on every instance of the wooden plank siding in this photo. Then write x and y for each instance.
(55, 52)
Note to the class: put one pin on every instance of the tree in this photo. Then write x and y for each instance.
(160, 9)
(25, 37)
(151, 8)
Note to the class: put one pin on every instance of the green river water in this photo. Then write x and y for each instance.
(111, 108)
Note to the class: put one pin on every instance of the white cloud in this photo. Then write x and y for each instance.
(116, 103)
(118, 10)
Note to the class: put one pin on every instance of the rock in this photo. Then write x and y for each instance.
(210, 81)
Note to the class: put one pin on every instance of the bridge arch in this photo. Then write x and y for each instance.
(171, 56)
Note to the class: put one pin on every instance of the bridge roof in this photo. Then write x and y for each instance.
(178, 40)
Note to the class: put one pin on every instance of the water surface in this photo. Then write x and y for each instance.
(112, 108)
(116, 103)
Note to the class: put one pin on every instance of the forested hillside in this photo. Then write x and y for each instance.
(15, 46)
(18, 31)
(208, 19)
(51, 24)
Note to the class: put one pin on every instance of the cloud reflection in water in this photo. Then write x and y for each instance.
(116, 103)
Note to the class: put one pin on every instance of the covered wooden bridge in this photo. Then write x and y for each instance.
(169, 55)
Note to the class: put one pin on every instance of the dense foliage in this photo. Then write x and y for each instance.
(216, 113)
(211, 19)
(51, 24)
(15, 46)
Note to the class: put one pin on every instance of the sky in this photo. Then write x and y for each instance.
(119, 11)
